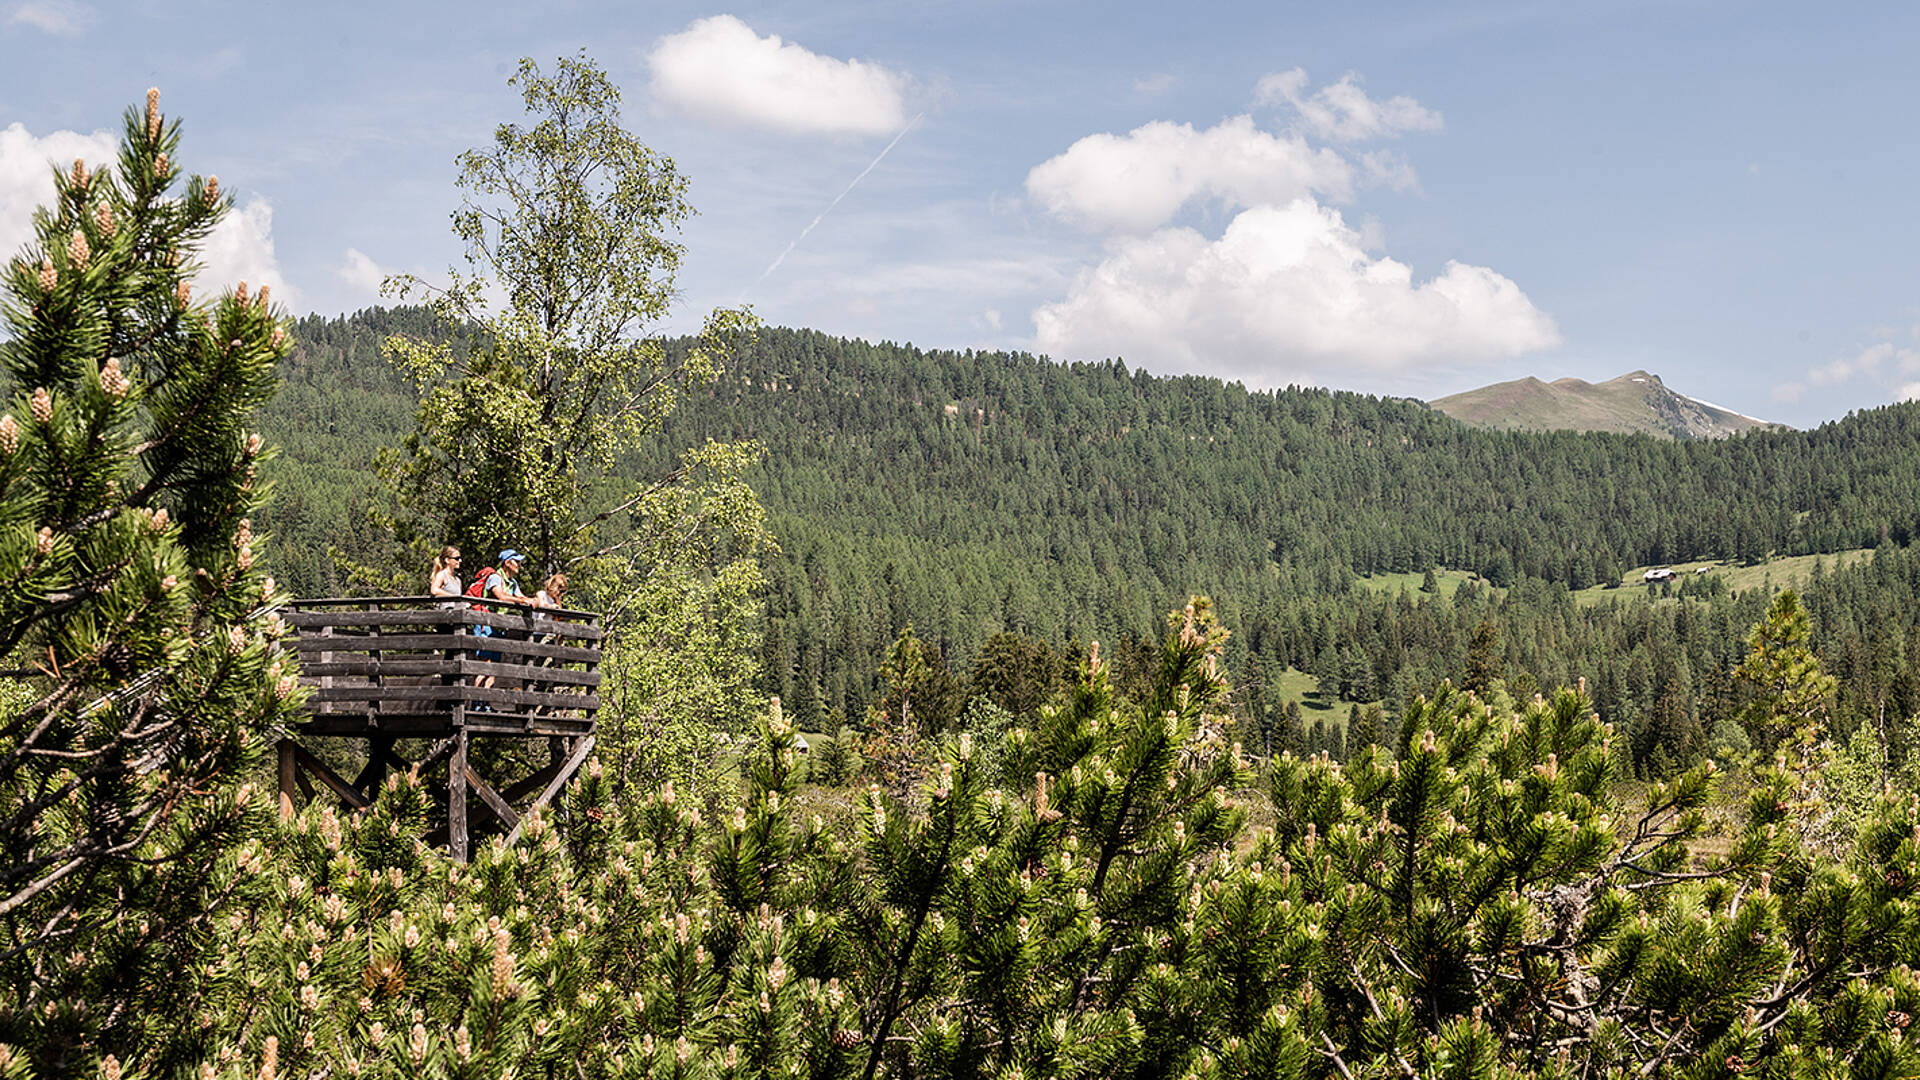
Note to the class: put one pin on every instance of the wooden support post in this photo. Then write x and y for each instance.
(286, 778)
(457, 798)
(379, 759)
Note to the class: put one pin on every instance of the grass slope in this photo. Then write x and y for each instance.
(1774, 574)
(1777, 573)
(1637, 402)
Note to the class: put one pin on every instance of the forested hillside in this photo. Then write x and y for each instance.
(970, 493)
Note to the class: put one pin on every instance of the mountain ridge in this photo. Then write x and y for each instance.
(1637, 402)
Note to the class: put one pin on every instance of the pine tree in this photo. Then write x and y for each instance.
(1791, 693)
(1484, 666)
(835, 758)
(1363, 729)
(134, 588)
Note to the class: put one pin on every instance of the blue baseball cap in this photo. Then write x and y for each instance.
(511, 555)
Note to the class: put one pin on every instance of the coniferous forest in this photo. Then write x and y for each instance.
(960, 715)
(973, 495)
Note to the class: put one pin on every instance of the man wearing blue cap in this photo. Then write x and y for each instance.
(503, 584)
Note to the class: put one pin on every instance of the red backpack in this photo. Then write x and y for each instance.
(479, 587)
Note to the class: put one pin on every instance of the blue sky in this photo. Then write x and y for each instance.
(1396, 198)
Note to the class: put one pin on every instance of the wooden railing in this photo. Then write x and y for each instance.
(416, 665)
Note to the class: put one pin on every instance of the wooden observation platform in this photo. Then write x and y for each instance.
(418, 675)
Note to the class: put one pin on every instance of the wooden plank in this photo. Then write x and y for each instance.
(491, 695)
(327, 776)
(400, 725)
(287, 769)
(492, 799)
(360, 601)
(537, 624)
(457, 798)
(431, 725)
(390, 667)
(434, 617)
(440, 643)
(572, 765)
(529, 672)
(509, 724)
(395, 601)
(371, 621)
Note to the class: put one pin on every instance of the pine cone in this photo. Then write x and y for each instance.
(846, 1038)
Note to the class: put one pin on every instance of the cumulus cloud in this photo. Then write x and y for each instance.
(63, 18)
(719, 68)
(26, 174)
(1139, 181)
(1285, 292)
(360, 271)
(1342, 111)
(240, 248)
(1865, 362)
(1882, 364)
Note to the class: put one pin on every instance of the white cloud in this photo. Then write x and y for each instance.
(26, 174)
(240, 248)
(1154, 84)
(1865, 362)
(64, 18)
(1286, 292)
(1909, 392)
(1139, 181)
(1384, 168)
(1342, 111)
(719, 68)
(360, 271)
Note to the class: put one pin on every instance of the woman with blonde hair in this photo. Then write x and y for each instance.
(445, 580)
(553, 591)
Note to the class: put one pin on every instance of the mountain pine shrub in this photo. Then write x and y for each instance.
(133, 600)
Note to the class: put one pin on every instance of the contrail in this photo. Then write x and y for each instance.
(817, 218)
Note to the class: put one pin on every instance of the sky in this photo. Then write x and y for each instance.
(1409, 199)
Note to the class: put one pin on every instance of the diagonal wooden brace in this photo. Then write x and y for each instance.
(572, 765)
(500, 807)
(327, 776)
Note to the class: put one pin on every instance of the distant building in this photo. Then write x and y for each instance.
(1660, 574)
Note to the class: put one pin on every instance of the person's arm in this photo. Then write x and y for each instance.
(502, 592)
